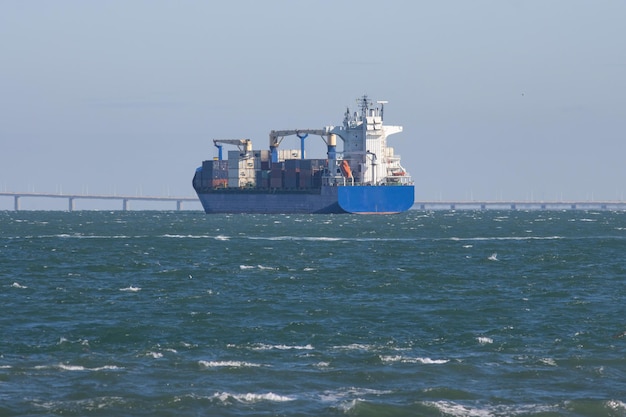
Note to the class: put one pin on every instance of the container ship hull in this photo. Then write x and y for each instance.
(341, 199)
(364, 177)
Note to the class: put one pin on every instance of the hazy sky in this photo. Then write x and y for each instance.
(499, 99)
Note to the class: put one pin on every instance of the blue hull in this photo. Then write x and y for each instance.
(376, 200)
(356, 199)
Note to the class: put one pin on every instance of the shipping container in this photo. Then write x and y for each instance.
(262, 179)
(292, 165)
(306, 179)
(291, 179)
(285, 154)
(263, 155)
(207, 167)
(276, 182)
(219, 183)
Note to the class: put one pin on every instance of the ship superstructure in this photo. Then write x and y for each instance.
(365, 176)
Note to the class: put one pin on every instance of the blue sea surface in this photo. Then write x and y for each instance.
(443, 313)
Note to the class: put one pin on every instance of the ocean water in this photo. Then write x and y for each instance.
(467, 313)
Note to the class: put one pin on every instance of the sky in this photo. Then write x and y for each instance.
(499, 99)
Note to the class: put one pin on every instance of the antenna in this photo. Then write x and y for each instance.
(365, 103)
(382, 107)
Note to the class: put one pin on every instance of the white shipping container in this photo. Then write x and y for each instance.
(284, 154)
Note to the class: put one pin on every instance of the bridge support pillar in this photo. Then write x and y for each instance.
(70, 203)
(179, 205)
(16, 203)
(125, 204)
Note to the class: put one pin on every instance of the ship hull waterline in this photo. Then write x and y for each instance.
(339, 199)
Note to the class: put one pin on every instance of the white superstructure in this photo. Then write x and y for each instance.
(365, 148)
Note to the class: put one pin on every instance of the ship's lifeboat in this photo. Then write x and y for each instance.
(345, 169)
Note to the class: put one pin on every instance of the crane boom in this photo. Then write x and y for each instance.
(244, 145)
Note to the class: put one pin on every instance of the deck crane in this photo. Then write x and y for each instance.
(276, 136)
(244, 145)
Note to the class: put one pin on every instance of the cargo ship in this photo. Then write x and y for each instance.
(363, 177)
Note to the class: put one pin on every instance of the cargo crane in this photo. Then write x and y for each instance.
(276, 136)
(244, 145)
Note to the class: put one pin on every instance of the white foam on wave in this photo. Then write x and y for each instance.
(252, 397)
(498, 238)
(355, 346)
(483, 340)
(81, 236)
(349, 397)
(63, 340)
(65, 367)
(489, 410)
(261, 267)
(228, 364)
(548, 361)
(155, 355)
(18, 285)
(131, 289)
(616, 405)
(403, 359)
(366, 347)
(218, 237)
(263, 346)
(304, 238)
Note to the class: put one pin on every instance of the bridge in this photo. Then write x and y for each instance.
(71, 198)
(520, 205)
(419, 205)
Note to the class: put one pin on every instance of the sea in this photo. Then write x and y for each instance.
(426, 313)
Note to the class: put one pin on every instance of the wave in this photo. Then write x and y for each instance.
(263, 346)
(251, 397)
(497, 238)
(218, 237)
(229, 364)
(350, 392)
(366, 347)
(608, 407)
(403, 359)
(131, 289)
(484, 340)
(66, 367)
(261, 267)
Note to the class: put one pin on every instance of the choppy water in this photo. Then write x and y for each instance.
(494, 313)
